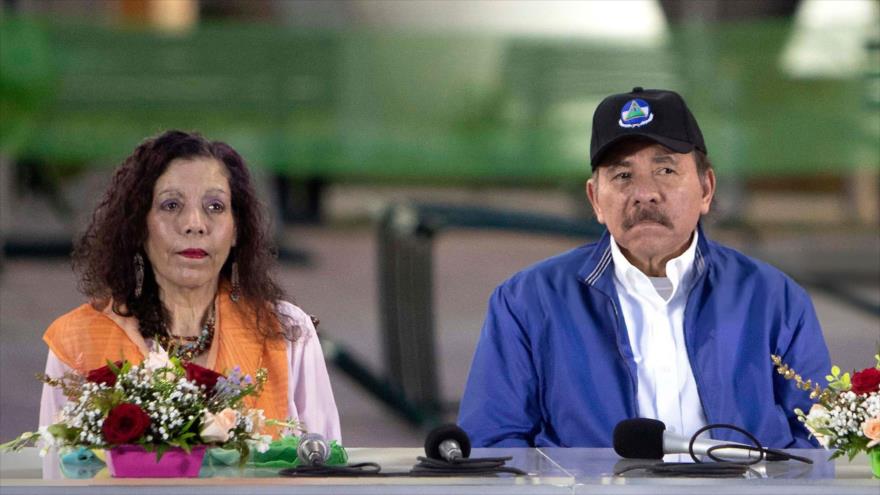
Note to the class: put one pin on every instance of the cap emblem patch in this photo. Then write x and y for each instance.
(635, 113)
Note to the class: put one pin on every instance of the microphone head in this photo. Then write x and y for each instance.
(312, 449)
(639, 438)
(446, 432)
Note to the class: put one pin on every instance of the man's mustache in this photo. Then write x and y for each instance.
(646, 215)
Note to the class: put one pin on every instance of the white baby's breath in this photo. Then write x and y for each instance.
(181, 412)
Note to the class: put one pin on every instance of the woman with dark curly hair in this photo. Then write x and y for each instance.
(177, 259)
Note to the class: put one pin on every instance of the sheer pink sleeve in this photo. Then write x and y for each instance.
(309, 395)
(53, 399)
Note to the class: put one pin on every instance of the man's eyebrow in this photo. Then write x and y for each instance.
(618, 162)
(665, 158)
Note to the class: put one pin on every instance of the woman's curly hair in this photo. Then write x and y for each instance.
(104, 255)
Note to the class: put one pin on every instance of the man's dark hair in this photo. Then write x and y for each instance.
(704, 164)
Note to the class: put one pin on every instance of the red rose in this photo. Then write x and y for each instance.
(866, 381)
(125, 423)
(104, 375)
(202, 376)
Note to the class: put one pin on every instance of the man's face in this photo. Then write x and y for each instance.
(650, 198)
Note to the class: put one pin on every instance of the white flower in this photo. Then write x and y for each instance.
(47, 438)
(156, 359)
(818, 418)
(257, 419)
(217, 426)
(261, 442)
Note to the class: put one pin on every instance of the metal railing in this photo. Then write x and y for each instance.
(406, 289)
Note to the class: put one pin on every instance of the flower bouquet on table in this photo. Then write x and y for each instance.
(846, 415)
(156, 419)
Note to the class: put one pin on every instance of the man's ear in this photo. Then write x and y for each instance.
(708, 183)
(592, 188)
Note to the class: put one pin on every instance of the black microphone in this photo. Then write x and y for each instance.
(447, 443)
(644, 438)
(313, 450)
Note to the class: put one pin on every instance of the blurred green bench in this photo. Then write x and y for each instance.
(362, 106)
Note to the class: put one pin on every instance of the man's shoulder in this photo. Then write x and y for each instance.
(731, 263)
(564, 266)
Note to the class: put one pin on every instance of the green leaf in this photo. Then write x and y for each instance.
(57, 430)
(243, 454)
(837, 453)
(189, 423)
(160, 450)
(70, 434)
(852, 453)
(835, 370)
(186, 437)
(23, 440)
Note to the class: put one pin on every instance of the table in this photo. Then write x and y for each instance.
(551, 471)
(593, 471)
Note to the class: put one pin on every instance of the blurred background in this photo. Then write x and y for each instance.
(414, 154)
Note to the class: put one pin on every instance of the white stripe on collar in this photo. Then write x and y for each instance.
(603, 263)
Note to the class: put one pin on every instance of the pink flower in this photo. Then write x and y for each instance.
(216, 427)
(871, 429)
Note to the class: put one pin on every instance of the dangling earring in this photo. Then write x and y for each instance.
(138, 275)
(235, 293)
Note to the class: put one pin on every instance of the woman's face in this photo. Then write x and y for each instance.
(190, 227)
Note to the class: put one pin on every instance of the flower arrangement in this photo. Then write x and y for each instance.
(160, 404)
(846, 415)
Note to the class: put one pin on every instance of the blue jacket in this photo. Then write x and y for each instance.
(554, 367)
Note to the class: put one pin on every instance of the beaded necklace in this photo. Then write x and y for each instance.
(187, 348)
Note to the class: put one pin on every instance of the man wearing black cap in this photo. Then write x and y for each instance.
(653, 320)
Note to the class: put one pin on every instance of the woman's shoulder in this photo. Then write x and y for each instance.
(296, 322)
(84, 317)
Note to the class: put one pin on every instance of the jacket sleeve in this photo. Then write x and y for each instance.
(500, 403)
(803, 348)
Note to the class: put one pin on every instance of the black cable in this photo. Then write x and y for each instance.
(690, 469)
(426, 467)
(765, 453)
(758, 447)
(481, 466)
(362, 469)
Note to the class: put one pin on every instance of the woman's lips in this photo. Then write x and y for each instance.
(193, 253)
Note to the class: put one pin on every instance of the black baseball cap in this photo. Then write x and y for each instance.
(656, 114)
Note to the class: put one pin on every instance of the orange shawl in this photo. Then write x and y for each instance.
(86, 338)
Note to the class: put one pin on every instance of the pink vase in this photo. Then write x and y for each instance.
(133, 461)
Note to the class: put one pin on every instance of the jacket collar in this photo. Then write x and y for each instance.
(598, 269)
